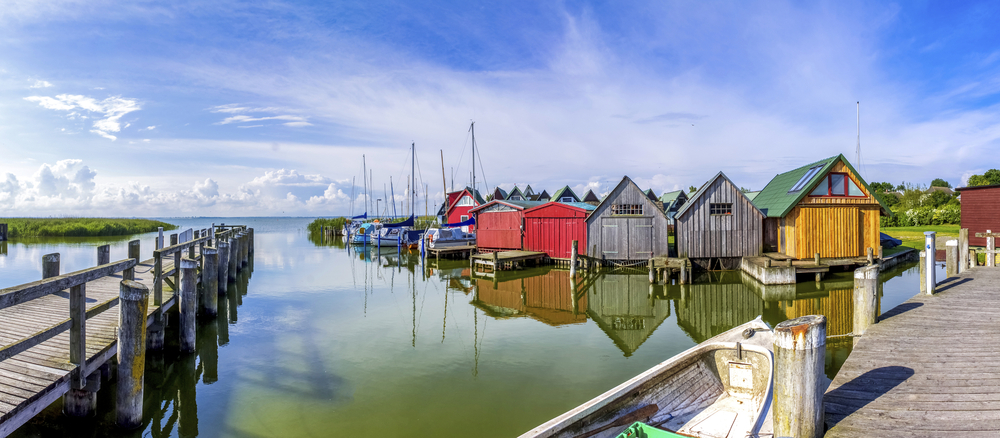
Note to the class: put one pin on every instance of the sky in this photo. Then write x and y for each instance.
(151, 109)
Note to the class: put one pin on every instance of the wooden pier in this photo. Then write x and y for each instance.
(460, 252)
(927, 368)
(60, 336)
(487, 265)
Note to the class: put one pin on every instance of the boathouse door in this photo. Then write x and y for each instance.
(640, 238)
(613, 232)
(627, 238)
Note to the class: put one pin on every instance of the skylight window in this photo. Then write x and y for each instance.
(805, 179)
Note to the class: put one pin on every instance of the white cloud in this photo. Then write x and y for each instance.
(242, 119)
(150, 128)
(112, 109)
(41, 84)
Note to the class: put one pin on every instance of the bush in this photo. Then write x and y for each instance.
(946, 215)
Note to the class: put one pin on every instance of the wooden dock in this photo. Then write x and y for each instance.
(927, 368)
(59, 336)
(463, 251)
(488, 264)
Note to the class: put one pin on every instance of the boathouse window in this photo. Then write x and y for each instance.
(464, 218)
(626, 209)
(465, 201)
(805, 179)
(720, 209)
(837, 184)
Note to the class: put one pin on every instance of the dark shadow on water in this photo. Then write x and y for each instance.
(862, 390)
(899, 310)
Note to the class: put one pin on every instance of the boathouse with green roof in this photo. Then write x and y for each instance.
(823, 207)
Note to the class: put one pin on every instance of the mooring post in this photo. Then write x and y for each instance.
(188, 304)
(103, 255)
(210, 281)
(251, 240)
(574, 247)
(871, 255)
(234, 249)
(990, 250)
(866, 280)
(156, 329)
(923, 272)
(963, 250)
(816, 259)
(133, 253)
(496, 262)
(50, 265)
(177, 260)
(223, 268)
(684, 273)
(951, 258)
(133, 304)
(81, 399)
(931, 247)
(652, 274)
(246, 247)
(799, 358)
(159, 239)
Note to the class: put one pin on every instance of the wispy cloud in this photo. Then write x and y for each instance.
(41, 84)
(111, 110)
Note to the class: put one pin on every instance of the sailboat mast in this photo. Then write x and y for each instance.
(364, 180)
(413, 175)
(473, 129)
(857, 152)
(392, 192)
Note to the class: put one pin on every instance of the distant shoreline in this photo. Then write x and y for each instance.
(80, 227)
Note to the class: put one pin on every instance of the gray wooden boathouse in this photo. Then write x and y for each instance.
(627, 226)
(719, 225)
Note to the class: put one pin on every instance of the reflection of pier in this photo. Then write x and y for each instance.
(546, 297)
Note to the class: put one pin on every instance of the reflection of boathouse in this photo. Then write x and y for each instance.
(624, 308)
(546, 298)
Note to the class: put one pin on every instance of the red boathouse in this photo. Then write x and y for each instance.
(461, 205)
(980, 211)
(499, 225)
(552, 227)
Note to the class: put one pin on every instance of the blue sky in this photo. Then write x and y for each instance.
(266, 108)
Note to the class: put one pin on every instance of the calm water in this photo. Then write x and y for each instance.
(318, 339)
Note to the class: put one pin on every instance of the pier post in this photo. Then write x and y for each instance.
(177, 260)
(684, 273)
(103, 255)
(188, 304)
(799, 358)
(963, 250)
(866, 282)
(652, 271)
(251, 239)
(210, 281)
(133, 304)
(931, 247)
(223, 268)
(496, 263)
(133, 253)
(816, 259)
(234, 250)
(246, 247)
(923, 272)
(50, 265)
(990, 248)
(871, 255)
(159, 238)
(574, 247)
(951, 258)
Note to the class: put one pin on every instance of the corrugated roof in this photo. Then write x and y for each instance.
(669, 197)
(775, 200)
(582, 205)
(520, 205)
(751, 195)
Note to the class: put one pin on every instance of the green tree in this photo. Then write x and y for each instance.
(882, 187)
(692, 189)
(936, 199)
(888, 199)
(991, 177)
(938, 182)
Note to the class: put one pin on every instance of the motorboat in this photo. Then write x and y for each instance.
(442, 238)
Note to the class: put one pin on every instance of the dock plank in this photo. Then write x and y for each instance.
(926, 369)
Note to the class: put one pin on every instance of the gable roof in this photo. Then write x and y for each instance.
(704, 188)
(626, 181)
(528, 191)
(517, 205)
(651, 195)
(752, 195)
(543, 195)
(515, 192)
(499, 193)
(467, 191)
(565, 191)
(590, 197)
(776, 201)
(669, 197)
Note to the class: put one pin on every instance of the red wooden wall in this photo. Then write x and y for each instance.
(980, 212)
(499, 230)
(551, 228)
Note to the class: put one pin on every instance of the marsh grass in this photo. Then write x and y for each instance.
(80, 227)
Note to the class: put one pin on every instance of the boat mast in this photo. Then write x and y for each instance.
(472, 128)
(364, 180)
(392, 192)
(413, 175)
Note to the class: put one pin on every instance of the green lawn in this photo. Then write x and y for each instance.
(913, 237)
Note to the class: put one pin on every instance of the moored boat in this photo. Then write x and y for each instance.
(719, 388)
(441, 238)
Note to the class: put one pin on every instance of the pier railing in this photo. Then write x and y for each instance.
(78, 313)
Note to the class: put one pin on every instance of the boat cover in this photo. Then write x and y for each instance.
(406, 223)
(889, 241)
(361, 216)
(471, 221)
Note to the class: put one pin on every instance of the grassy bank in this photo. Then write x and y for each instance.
(335, 223)
(913, 237)
(80, 227)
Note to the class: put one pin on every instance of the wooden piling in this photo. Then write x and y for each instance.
(188, 304)
(923, 272)
(82, 402)
(159, 238)
(133, 253)
(250, 249)
(50, 265)
(799, 358)
(103, 255)
(210, 281)
(816, 259)
(972, 259)
(79, 402)
(133, 304)
(234, 248)
(963, 250)
(177, 260)
(684, 274)
(574, 247)
(951, 258)
(244, 248)
(866, 280)
(223, 268)
(871, 256)
(652, 272)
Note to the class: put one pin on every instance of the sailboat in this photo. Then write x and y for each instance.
(358, 232)
(456, 234)
(400, 233)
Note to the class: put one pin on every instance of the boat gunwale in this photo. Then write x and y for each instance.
(685, 358)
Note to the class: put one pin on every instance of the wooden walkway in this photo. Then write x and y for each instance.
(927, 368)
(32, 380)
